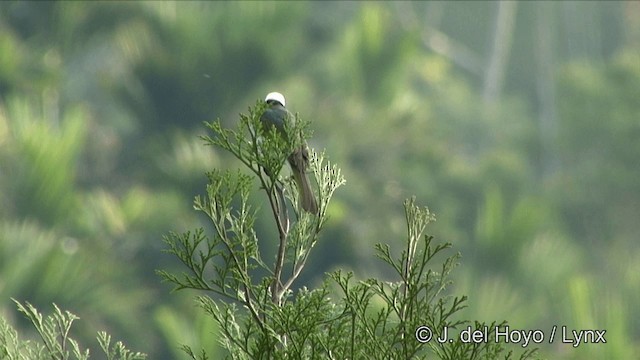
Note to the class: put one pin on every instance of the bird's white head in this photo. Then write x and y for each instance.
(275, 96)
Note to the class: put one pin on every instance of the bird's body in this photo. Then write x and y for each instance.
(277, 115)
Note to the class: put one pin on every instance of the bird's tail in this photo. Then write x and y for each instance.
(307, 199)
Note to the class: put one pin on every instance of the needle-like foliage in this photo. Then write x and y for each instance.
(252, 299)
(55, 341)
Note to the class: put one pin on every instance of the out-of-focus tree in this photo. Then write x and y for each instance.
(599, 126)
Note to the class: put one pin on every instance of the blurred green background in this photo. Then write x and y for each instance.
(517, 123)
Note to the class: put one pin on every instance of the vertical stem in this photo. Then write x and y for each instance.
(282, 219)
(545, 86)
(501, 46)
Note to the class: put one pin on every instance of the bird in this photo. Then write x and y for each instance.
(276, 114)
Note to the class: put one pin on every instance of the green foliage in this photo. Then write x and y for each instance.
(189, 328)
(233, 253)
(44, 150)
(12, 348)
(372, 318)
(118, 350)
(54, 332)
(596, 143)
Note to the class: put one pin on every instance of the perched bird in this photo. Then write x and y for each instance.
(275, 115)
